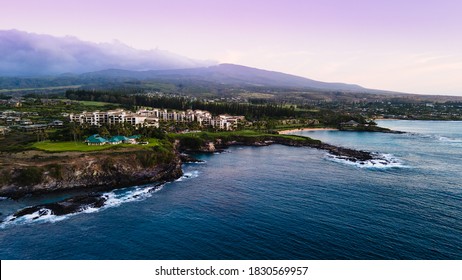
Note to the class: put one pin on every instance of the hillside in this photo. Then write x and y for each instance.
(227, 74)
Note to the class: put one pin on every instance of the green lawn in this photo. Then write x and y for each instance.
(49, 146)
(96, 103)
(239, 133)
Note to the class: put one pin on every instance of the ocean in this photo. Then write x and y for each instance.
(274, 202)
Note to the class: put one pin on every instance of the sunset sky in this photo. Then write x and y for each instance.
(407, 45)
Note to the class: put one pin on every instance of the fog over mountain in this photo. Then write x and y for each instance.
(23, 53)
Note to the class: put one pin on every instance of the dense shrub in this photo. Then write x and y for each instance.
(29, 176)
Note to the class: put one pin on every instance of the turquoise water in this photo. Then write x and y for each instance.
(274, 202)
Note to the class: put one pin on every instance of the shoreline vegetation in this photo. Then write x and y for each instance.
(289, 131)
(341, 127)
(52, 168)
(57, 159)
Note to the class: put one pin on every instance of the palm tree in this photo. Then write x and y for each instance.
(103, 132)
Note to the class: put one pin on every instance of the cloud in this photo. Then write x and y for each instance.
(23, 53)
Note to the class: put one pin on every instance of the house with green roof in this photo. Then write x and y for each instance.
(118, 139)
(96, 140)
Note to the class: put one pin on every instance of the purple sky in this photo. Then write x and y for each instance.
(410, 46)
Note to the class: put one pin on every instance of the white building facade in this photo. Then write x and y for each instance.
(152, 117)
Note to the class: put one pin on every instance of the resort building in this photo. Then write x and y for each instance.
(152, 117)
(110, 117)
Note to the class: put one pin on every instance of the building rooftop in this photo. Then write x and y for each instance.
(96, 139)
(117, 138)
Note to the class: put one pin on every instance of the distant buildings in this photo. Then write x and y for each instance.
(20, 121)
(12, 102)
(4, 130)
(152, 117)
(350, 123)
(56, 123)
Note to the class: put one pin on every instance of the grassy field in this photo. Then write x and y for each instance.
(251, 134)
(55, 147)
(96, 103)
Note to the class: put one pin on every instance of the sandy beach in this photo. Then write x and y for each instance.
(304, 129)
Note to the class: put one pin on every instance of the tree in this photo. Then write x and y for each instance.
(75, 130)
(103, 132)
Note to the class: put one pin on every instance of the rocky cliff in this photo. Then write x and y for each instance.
(35, 172)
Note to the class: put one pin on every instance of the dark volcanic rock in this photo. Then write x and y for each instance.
(345, 153)
(185, 158)
(65, 207)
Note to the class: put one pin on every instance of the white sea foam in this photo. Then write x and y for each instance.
(382, 161)
(118, 197)
(198, 162)
(222, 152)
(113, 199)
(40, 216)
(188, 175)
(448, 139)
(437, 137)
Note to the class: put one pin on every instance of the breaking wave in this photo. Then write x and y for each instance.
(198, 162)
(112, 199)
(118, 197)
(40, 216)
(188, 175)
(448, 139)
(437, 137)
(381, 161)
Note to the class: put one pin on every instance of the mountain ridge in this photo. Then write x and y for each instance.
(29, 58)
(228, 74)
(30, 54)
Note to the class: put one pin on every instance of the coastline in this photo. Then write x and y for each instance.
(88, 171)
(388, 119)
(37, 172)
(288, 131)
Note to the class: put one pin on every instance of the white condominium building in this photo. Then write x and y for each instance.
(110, 117)
(151, 117)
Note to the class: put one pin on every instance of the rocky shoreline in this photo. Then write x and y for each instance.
(93, 173)
(348, 154)
(102, 171)
(38, 172)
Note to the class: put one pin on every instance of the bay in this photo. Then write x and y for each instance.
(274, 202)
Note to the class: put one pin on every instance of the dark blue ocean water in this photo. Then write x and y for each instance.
(274, 202)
